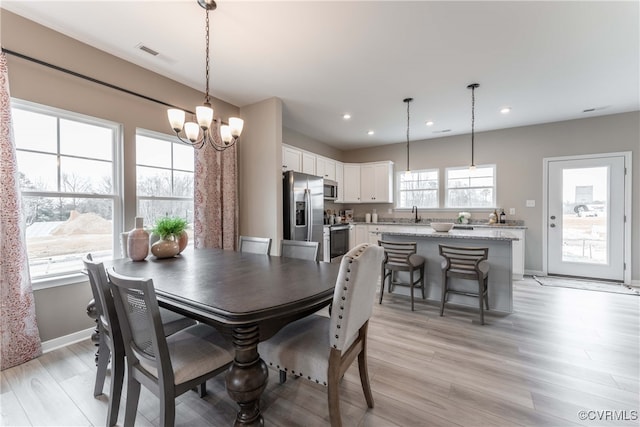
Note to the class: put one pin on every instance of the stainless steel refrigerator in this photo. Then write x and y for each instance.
(303, 210)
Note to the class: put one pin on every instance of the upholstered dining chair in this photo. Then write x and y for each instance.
(465, 263)
(299, 249)
(254, 245)
(167, 366)
(401, 256)
(110, 344)
(321, 349)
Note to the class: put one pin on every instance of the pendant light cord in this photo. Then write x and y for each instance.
(206, 90)
(473, 87)
(408, 101)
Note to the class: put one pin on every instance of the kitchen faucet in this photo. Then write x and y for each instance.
(415, 210)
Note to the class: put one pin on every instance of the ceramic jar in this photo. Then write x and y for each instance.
(138, 241)
(183, 241)
(165, 248)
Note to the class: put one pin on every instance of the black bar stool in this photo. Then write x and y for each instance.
(465, 263)
(401, 256)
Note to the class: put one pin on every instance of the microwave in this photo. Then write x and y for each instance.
(330, 190)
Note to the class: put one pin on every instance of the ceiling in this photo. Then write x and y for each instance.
(549, 60)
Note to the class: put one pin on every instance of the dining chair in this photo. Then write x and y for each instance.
(110, 345)
(465, 263)
(401, 256)
(299, 249)
(255, 245)
(167, 366)
(321, 349)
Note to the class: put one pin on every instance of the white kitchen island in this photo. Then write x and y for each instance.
(500, 258)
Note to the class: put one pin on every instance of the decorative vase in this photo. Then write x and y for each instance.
(183, 241)
(153, 237)
(165, 248)
(138, 241)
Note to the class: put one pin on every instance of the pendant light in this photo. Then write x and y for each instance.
(473, 87)
(408, 101)
(204, 114)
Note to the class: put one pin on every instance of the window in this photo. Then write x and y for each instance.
(164, 176)
(471, 188)
(418, 188)
(68, 172)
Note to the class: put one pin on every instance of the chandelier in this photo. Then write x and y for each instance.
(200, 133)
(473, 87)
(408, 101)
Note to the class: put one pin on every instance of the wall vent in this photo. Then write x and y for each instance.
(147, 49)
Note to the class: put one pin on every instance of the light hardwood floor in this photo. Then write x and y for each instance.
(561, 352)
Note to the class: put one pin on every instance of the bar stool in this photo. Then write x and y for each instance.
(465, 263)
(401, 256)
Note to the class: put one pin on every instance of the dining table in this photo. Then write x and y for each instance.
(247, 297)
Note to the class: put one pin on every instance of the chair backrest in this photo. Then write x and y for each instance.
(398, 252)
(299, 249)
(463, 260)
(255, 245)
(142, 332)
(102, 296)
(354, 293)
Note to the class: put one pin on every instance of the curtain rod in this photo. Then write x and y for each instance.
(91, 79)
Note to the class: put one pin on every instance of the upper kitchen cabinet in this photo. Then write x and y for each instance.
(351, 183)
(309, 163)
(326, 168)
(376, 182)
(291, 159)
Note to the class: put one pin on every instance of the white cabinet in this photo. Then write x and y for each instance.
(351, 183)
(361, 234)
(308, 163)
(340, 181)
(376, 182)
(517, 248)
(291, 159)
(326, 168)
(352, 236)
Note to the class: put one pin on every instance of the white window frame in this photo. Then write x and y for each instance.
(399, 191)
(172, 139)
(76, 276)
(493, 187)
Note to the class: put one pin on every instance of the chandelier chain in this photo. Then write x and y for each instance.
(206, 92)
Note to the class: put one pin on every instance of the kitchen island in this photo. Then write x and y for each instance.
(498, 241)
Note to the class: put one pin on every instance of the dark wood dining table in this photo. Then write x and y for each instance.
(247, 297)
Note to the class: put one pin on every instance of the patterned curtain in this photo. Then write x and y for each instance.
(216, 197)
(20, 341)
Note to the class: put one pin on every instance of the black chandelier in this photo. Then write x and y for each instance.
(229, 134)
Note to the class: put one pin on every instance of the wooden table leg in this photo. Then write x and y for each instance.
(247, 377)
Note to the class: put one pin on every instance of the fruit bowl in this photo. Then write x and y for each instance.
(442, 226)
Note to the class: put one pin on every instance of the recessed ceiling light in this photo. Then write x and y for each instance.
(370, 132)
(346, 116)
(429, 123)
(505, 110)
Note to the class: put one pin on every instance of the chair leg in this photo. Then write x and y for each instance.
(444, 292)
(480, 297)
(486, 291)
(333, 389)
(117, 380)
(364, 375)
(103, 360)
(411, 287)
(422, 281)
(133, 395)
(167, 409)
(202, 389)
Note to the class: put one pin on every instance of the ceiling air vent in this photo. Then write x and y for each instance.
(147, 49)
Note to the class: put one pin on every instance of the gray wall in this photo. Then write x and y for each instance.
(518, 154)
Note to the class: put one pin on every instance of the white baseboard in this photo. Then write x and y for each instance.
(533, 273)
(66, 340)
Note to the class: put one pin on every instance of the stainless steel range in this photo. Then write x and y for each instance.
(336, 238)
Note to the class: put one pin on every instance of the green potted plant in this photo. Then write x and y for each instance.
(172, 235)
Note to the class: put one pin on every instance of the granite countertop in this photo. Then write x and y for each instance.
(455, 225)
(483, 234)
